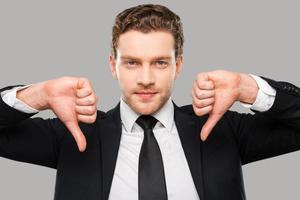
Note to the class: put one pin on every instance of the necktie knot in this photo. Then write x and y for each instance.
(146, 122)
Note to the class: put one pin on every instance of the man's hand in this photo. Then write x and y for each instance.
(71, 99)
(215, 92)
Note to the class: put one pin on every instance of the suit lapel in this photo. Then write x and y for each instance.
(111, 131)
(187, 126)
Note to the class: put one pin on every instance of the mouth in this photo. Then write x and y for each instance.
(146, 95)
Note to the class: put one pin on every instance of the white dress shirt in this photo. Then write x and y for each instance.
(179, 180)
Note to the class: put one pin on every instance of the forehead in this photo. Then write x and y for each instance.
(142, 45)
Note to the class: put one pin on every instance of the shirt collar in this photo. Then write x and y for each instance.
(165, 115)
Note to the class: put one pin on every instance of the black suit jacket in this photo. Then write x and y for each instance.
(215, 165)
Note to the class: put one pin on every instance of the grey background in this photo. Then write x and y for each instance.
(41, 40)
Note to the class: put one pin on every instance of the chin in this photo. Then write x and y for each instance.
(147, 112)
(145, 109)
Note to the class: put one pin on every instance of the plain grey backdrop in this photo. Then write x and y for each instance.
(41, 40)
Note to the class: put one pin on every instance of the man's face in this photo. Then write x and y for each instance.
(145, 68)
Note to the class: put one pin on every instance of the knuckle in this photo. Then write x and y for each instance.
(84, 79)
(94, 117)
(80, 118)
(202, 84)
(86, 119)
(91, 100)
(199, 83)
(202, 76)
(198, 112)
(195, 102)
(209, 108)
(87, 91)
(198, 103)
(199, 94)
(95, 99)
(195, 85)
(201, 103)
(91, 119)
(199, 76)
(88, 101)
(91, 110)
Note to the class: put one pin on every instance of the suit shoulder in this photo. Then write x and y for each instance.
(101, 114)
(187, 109)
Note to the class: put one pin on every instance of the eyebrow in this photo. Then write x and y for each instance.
(154, 58)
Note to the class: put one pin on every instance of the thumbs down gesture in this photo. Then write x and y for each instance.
(215, 92)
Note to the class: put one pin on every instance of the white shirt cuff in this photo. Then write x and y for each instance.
(9, 97)
(265, 96)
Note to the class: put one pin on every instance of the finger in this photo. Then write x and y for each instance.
(202, 111)
(209, 125)
(205, 85)
(202, 76)
(85, 110)
(84, 83)
(87, 118)
(203, 94)
(79, 137)
(200, 103)
(87, 101)
(83, 92)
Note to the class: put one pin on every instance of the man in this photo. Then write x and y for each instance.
(120, 155)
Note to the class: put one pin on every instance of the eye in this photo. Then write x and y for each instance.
(161, 63)
(131, 63)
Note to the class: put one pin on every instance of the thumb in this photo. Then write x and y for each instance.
(83, 83)
(77, 134)
(209, 125)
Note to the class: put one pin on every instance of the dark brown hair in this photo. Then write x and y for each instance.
(147, 18)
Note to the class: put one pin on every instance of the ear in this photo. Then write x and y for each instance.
(112, 63)
(178, 66)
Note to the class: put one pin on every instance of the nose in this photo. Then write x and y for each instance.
(146, 76)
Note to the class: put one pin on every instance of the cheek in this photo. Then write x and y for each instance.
(166, 80)
(126, 80)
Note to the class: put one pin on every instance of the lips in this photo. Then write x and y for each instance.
(145, 94)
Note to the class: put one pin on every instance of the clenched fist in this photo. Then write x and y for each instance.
(71, 99)
(215, 92)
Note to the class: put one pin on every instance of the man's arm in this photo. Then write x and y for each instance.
(36, 140)
(32, 140)
(215, 92)
(270, 133)
(265, 96)
(265, 134)
(10, 98)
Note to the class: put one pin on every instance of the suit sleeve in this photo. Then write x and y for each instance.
(26, 139)
(271, 133)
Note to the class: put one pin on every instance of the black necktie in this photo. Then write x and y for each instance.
(152, 185)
